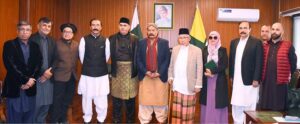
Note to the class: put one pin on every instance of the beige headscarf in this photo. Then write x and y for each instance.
(213, 49)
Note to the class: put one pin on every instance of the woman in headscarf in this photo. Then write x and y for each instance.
(214, 93)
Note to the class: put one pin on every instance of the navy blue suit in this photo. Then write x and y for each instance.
(163, 58)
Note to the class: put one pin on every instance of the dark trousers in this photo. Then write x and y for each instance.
(63, 93)
(41, 112)
(117, 109)
(21, 109)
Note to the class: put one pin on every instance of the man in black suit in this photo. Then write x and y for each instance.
(22, 59)
(245, 64)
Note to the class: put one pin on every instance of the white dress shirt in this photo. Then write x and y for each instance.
(93, 86)
(242, 95)
(180, 83)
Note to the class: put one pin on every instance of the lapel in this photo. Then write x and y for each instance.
(247, 47)
(220, 54)
(31, 54)
(114, 44)
(159, 48)
(19, 51)
(49, 48)
(189, 58)
(175, 52)
(144, 47)
(235, 45)
(205, 54)
(39, 40)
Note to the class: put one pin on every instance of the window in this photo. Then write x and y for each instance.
(296, 37)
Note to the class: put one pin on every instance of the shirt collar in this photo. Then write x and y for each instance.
(244, 40)
(277, 40)
(43, 36)
(22, 43)
(94, 36)
(123, 36)
(184, 47)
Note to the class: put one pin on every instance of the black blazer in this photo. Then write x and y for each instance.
(133, 45)
(252, 60)
(51, 49)
(18, 73)
(221, 92)
(163, 58)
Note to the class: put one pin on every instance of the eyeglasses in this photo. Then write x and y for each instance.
(25, 30)
(215, 37)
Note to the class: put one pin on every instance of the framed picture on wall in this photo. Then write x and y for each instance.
(163, 15)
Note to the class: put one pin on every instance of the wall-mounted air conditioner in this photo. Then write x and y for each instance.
(238, 15)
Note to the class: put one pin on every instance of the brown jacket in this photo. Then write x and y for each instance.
(194, 66)
(65, 61)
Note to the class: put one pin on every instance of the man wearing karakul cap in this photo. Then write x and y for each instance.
(185, 75)
(64, 73)
(124, 71)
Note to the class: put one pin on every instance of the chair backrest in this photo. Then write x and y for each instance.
(294, 96)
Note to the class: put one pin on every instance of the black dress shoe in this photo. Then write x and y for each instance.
(116, 122)
(129, 121)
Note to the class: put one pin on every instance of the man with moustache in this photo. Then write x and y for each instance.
(44, 95)
(124, 82)
(245, 63)
(278, 66)
(153, 58)
(94, 52)
(265, 33)
(23, 60)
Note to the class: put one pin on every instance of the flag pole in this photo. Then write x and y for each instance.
(136, 3)
(170, 101)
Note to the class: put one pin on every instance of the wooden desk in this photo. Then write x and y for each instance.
(262, 116)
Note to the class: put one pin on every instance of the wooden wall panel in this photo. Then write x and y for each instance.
(9, 16)
(287, 21)
(288, 4)
(110, 11)
(56, 10)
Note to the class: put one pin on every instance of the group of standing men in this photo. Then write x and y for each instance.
(260, 70)
(41, 73)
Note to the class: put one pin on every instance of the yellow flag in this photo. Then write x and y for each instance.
(197, 32)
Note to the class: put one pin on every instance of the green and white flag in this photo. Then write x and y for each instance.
(135, 25)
